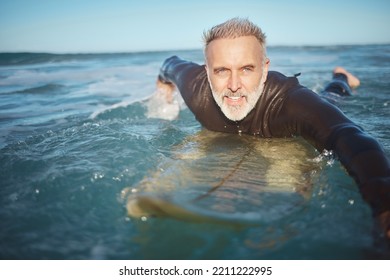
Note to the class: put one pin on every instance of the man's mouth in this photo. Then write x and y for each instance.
(234, 100)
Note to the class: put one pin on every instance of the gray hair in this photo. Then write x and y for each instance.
(234, 28)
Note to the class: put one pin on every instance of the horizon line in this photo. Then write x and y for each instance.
(184, 49)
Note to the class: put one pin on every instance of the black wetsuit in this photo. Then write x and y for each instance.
(287, 109)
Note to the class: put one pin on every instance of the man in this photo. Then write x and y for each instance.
(234, 92)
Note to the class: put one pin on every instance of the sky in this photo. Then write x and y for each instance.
(92, 26)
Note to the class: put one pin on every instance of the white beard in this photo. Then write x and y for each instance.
(238, 112)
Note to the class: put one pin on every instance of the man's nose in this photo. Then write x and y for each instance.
(234, 83)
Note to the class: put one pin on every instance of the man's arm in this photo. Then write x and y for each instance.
(173, 73)
(187, 76)
(367, 163)
(178, 72)
(326, 127)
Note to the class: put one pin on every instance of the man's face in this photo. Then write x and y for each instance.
(237, 73)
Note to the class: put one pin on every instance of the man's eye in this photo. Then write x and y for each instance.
(247, 69)
(220, 71)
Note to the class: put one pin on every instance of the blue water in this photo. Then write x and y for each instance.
(75, 137)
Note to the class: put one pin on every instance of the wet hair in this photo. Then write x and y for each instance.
(234, 28)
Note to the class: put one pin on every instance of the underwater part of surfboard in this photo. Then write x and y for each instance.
(216, 177)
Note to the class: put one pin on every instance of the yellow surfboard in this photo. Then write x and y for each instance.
(226, 178)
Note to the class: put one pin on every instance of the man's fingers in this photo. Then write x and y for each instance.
(166, 90)
(384, 223)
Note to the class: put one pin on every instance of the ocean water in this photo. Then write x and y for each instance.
(77, 141)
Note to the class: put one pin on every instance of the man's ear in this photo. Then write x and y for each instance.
(267, 62)
(265, 70)
(207, 72)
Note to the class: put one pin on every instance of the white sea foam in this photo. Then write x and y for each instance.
(122, 104)
(106, 81)
(158, 107)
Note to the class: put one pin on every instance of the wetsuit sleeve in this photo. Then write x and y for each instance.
(187, 76)
(326, 127)
(191, 81)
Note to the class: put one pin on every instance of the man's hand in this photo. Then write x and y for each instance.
(163, 104)
(381, 235)
(376, 192)
(384, 223)
(165, 90)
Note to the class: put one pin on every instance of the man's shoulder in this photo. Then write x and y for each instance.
(280, 84)
(281, 79)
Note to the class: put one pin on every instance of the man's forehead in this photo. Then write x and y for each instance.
(223, 42)
(240, 50)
